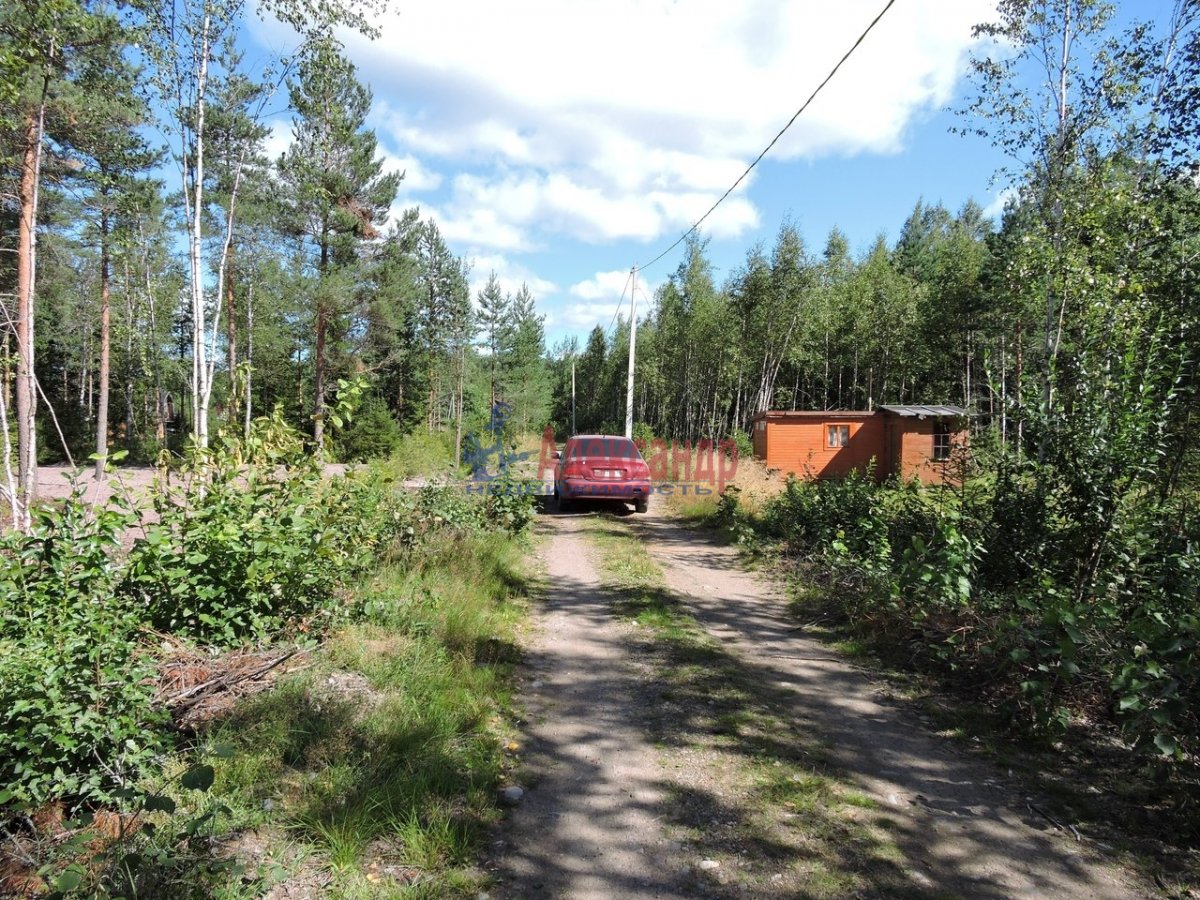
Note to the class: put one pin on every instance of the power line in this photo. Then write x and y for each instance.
(621, 302)
(742, 177)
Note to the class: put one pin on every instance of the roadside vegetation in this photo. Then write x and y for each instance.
(975, 589)
(369, 763)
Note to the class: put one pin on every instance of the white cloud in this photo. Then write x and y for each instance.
(996, 207)
(582, 316)
(278, 140)
(416, 176)
(606, 119)
(603, 284)
(509, 274)
(611, 286)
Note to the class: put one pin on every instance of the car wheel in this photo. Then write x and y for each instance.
(564, 505)
(640, 506)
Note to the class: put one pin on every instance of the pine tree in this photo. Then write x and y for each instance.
(108, 135)
(529, 377)
(40, 46)
(337, 192)
(495, 326)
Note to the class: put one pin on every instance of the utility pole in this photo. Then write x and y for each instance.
(573, 429)
(632, 351)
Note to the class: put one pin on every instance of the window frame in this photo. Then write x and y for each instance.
(837, 436)
(943, 445)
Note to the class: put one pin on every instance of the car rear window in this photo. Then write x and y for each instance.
(613, 447)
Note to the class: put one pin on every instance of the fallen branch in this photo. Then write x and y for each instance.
(1034, 808)
(184, 700)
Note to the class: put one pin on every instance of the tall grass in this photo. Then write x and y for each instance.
(390, 751)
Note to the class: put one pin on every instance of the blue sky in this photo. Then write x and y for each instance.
(559, 143)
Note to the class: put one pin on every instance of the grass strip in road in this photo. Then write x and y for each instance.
(756, 791)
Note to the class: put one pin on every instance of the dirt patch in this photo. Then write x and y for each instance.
(589, 822)
(349, 686)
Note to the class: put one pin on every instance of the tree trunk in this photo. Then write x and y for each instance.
(231, 340)
(319, 375)
(27, 199)
(458, 426)
(105, 348)
(200, 390)
(249, 357)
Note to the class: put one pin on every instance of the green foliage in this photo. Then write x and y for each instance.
(164, 837)
(936, 573)
(730, 517)
(254, 538)
(510, 502)
(418, 763)
(743, 443)
(643, 434)
(74, 691)
(1048, 636)
(372, 433)
(252, 541)
(504, 504)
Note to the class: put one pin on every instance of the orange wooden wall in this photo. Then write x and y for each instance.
(797, 442)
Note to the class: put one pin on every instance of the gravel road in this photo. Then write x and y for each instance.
(593, 821)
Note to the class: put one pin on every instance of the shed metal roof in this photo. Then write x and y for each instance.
(936, 412)
(811, 414)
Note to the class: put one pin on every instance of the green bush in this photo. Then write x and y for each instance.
(1053, 620)
(255, 538)
(372, 433)
(75, 691)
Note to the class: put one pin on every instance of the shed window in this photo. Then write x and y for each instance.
(837, 435)
(941, 440)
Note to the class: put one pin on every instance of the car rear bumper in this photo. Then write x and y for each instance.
(574, 488)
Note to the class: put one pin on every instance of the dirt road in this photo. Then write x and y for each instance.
(596, 820)
(589, 825)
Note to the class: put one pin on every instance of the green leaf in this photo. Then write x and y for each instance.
(157, 803)
(1166, 744)
(198, 778)
(69, 880)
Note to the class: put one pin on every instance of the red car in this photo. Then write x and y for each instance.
(601, 466)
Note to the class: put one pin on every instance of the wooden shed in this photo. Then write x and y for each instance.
(908, 441)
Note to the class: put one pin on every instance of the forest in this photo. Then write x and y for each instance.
(181, 281)
(172, 296)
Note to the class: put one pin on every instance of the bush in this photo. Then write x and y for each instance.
(743, 443)
(372, 433)
(255, 538)
(1048, 636)
(75, 691)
